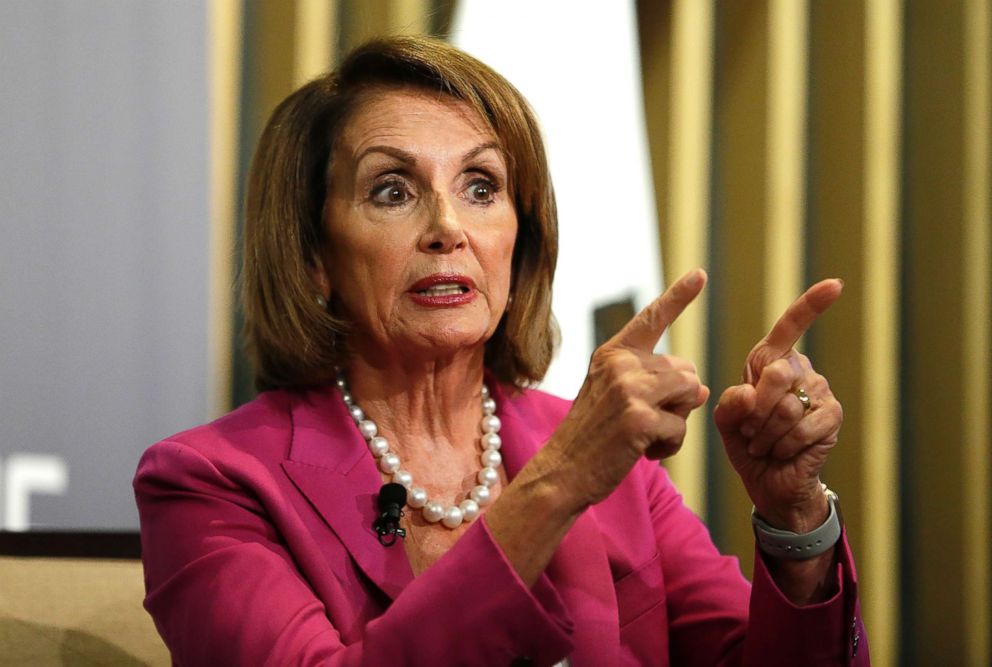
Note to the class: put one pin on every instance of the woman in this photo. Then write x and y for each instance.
(400, 247)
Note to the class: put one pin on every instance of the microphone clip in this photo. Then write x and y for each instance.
(392, 498)
(387, 527)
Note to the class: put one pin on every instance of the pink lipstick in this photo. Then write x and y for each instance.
(443, 290)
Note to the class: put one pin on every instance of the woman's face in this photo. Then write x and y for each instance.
(420, 226)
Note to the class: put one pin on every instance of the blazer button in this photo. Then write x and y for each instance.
(522, 661)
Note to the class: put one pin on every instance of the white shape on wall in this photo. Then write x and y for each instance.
(578, 64)
(22, 476)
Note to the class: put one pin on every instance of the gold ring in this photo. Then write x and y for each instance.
(804, 399)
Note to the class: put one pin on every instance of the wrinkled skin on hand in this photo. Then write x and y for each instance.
(775, 445)
(633, 402)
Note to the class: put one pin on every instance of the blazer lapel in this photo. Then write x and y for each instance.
(330, 465)
(579, 570)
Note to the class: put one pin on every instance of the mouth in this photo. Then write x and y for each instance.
(443, 284)
(442, 290)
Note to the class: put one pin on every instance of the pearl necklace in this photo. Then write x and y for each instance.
(389, 463)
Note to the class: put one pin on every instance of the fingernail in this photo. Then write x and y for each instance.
(751, 449)
(747, 430)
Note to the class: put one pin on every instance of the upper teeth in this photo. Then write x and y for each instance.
(444, 289)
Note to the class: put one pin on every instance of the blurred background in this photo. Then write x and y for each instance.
(774, 142)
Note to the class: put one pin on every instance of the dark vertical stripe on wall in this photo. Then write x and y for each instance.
(267, 79)
(933, 428)
(717, 497)
(242, 384)
(739, 191)
(835, 237)
(908, 478)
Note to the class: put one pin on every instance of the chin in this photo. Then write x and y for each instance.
(442, 340)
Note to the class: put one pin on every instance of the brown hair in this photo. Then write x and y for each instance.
(291, 340)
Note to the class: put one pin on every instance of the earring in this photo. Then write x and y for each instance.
(321, 301)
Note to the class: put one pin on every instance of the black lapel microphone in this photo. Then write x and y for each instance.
(392, 498)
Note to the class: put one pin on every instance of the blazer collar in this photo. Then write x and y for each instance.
(330, 464)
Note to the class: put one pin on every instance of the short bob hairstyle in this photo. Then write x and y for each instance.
(294, 342)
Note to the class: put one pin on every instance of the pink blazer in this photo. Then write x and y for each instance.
(258, 550)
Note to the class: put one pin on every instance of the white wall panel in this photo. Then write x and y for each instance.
(103, 242)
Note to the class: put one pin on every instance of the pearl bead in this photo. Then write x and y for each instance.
(488, 476)
(470, 509)
(452, 517)
(368, 428)
(433, 512)
(492, 441)
(491, 458)
(389, 463)
(481, 495)
(416, 498)
(378, 446)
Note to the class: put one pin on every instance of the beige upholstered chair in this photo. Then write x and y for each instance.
(75, 611)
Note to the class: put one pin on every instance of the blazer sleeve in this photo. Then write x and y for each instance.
(717, 618)
(223, 588)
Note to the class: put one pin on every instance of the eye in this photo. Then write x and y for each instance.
(393, 192)
(481, 191)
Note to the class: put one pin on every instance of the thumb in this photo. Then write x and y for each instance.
(736, 404)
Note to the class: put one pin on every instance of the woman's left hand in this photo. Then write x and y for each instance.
(776, 443)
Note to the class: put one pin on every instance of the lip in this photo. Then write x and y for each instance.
(441, 279)
(447, 300)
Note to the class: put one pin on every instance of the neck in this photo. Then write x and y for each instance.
(436, 399)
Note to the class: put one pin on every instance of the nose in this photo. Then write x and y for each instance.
(443, 233)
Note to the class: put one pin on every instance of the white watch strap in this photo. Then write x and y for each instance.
(786, 544)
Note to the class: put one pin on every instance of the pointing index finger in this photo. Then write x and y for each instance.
(798, 317)
(644, 330)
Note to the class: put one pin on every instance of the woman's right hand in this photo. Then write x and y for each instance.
(633, 402)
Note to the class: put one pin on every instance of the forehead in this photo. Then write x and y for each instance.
(414, 119)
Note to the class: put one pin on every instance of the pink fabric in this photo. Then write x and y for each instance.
(258, 550)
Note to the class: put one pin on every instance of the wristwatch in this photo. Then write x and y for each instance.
(787, 544)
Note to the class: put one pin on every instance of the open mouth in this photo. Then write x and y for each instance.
(444, 289)
(442, 286)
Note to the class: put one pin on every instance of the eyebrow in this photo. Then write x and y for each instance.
(482, 148)
(399, 154)
(410, 159)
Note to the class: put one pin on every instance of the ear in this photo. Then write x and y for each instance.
(318, 274)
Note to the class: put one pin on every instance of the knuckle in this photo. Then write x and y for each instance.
(689, 379)
(638, 418)
(783, 452)
(680, 364)
(801, 434)
(836, 411)
(784, 410)
(625, 389)
(781, 370)
(599, 356)
(678, 428)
